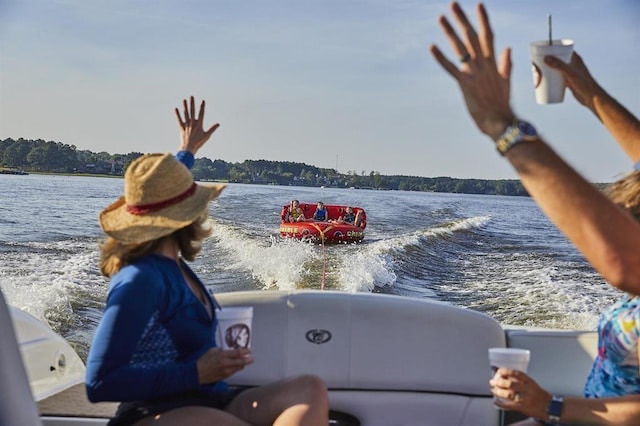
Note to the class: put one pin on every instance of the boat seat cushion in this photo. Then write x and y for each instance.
(414, 408)
(560, 359)
(378, 354)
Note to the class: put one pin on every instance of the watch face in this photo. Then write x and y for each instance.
(527, 129)
(555, 408)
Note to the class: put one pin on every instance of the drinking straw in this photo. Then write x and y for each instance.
(549, 25)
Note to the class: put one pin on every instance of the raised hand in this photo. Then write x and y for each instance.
(577, 77)
(192, 134)
(485, 87)
(619, 121)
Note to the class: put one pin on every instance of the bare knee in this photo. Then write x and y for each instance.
(299, 400)
(308, 403)
(305, 389)
(311, 388)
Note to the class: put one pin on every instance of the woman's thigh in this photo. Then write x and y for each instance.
(193, 416)
(264, 404)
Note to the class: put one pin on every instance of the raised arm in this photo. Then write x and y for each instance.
(605, 234)
(623, 125)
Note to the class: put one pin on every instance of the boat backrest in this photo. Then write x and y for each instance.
(335, 212)
(560, 359)
(308, 209)
(386, 359)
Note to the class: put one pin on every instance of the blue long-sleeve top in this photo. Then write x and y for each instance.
(152, 332)
(186, 158)
(151, 335)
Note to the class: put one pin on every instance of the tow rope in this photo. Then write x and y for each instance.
(324, 253)
(324, 264)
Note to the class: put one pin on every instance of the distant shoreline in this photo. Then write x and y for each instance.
(11, 172)
(25, 173)
(58, 159)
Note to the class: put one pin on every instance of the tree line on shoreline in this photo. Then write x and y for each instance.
(55, 157)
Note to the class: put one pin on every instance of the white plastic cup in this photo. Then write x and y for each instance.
(549, 83)
(513, 358)
(234, 327)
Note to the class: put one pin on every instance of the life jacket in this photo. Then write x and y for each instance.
(321, 214)
(295, 212)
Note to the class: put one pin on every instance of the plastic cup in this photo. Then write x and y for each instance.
(234, 327)
(513, 358)
(549, 83)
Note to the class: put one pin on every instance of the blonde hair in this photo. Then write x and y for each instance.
(626, 193)
(115, 254)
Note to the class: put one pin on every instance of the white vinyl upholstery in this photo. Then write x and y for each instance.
(560, 359)
(390, 359)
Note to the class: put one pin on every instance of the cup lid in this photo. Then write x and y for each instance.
(557, 42)
(502, 353)
(233, 312)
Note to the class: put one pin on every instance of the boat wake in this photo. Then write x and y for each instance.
(286, 264)
(58, 283)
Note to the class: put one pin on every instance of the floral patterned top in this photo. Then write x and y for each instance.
(615, 371)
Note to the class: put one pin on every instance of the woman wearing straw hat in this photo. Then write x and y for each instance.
(154, 349)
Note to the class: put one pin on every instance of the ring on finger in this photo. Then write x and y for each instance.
(464, 58)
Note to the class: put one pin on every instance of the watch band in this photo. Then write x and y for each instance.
(504, 142)
(518, 131)
(554, 410)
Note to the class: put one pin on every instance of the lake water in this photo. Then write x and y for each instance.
(494, 254)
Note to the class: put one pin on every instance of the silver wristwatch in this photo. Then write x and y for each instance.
(518, 131)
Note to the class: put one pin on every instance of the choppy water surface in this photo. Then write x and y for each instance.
(495, 254)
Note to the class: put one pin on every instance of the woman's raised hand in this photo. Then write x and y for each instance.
(192, 134)
(578, 78)
(485, 87)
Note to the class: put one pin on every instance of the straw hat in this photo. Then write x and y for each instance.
(160, 197)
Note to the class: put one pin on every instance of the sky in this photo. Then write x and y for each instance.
(344, 84)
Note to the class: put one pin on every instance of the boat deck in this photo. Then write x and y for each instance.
(73, 402)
